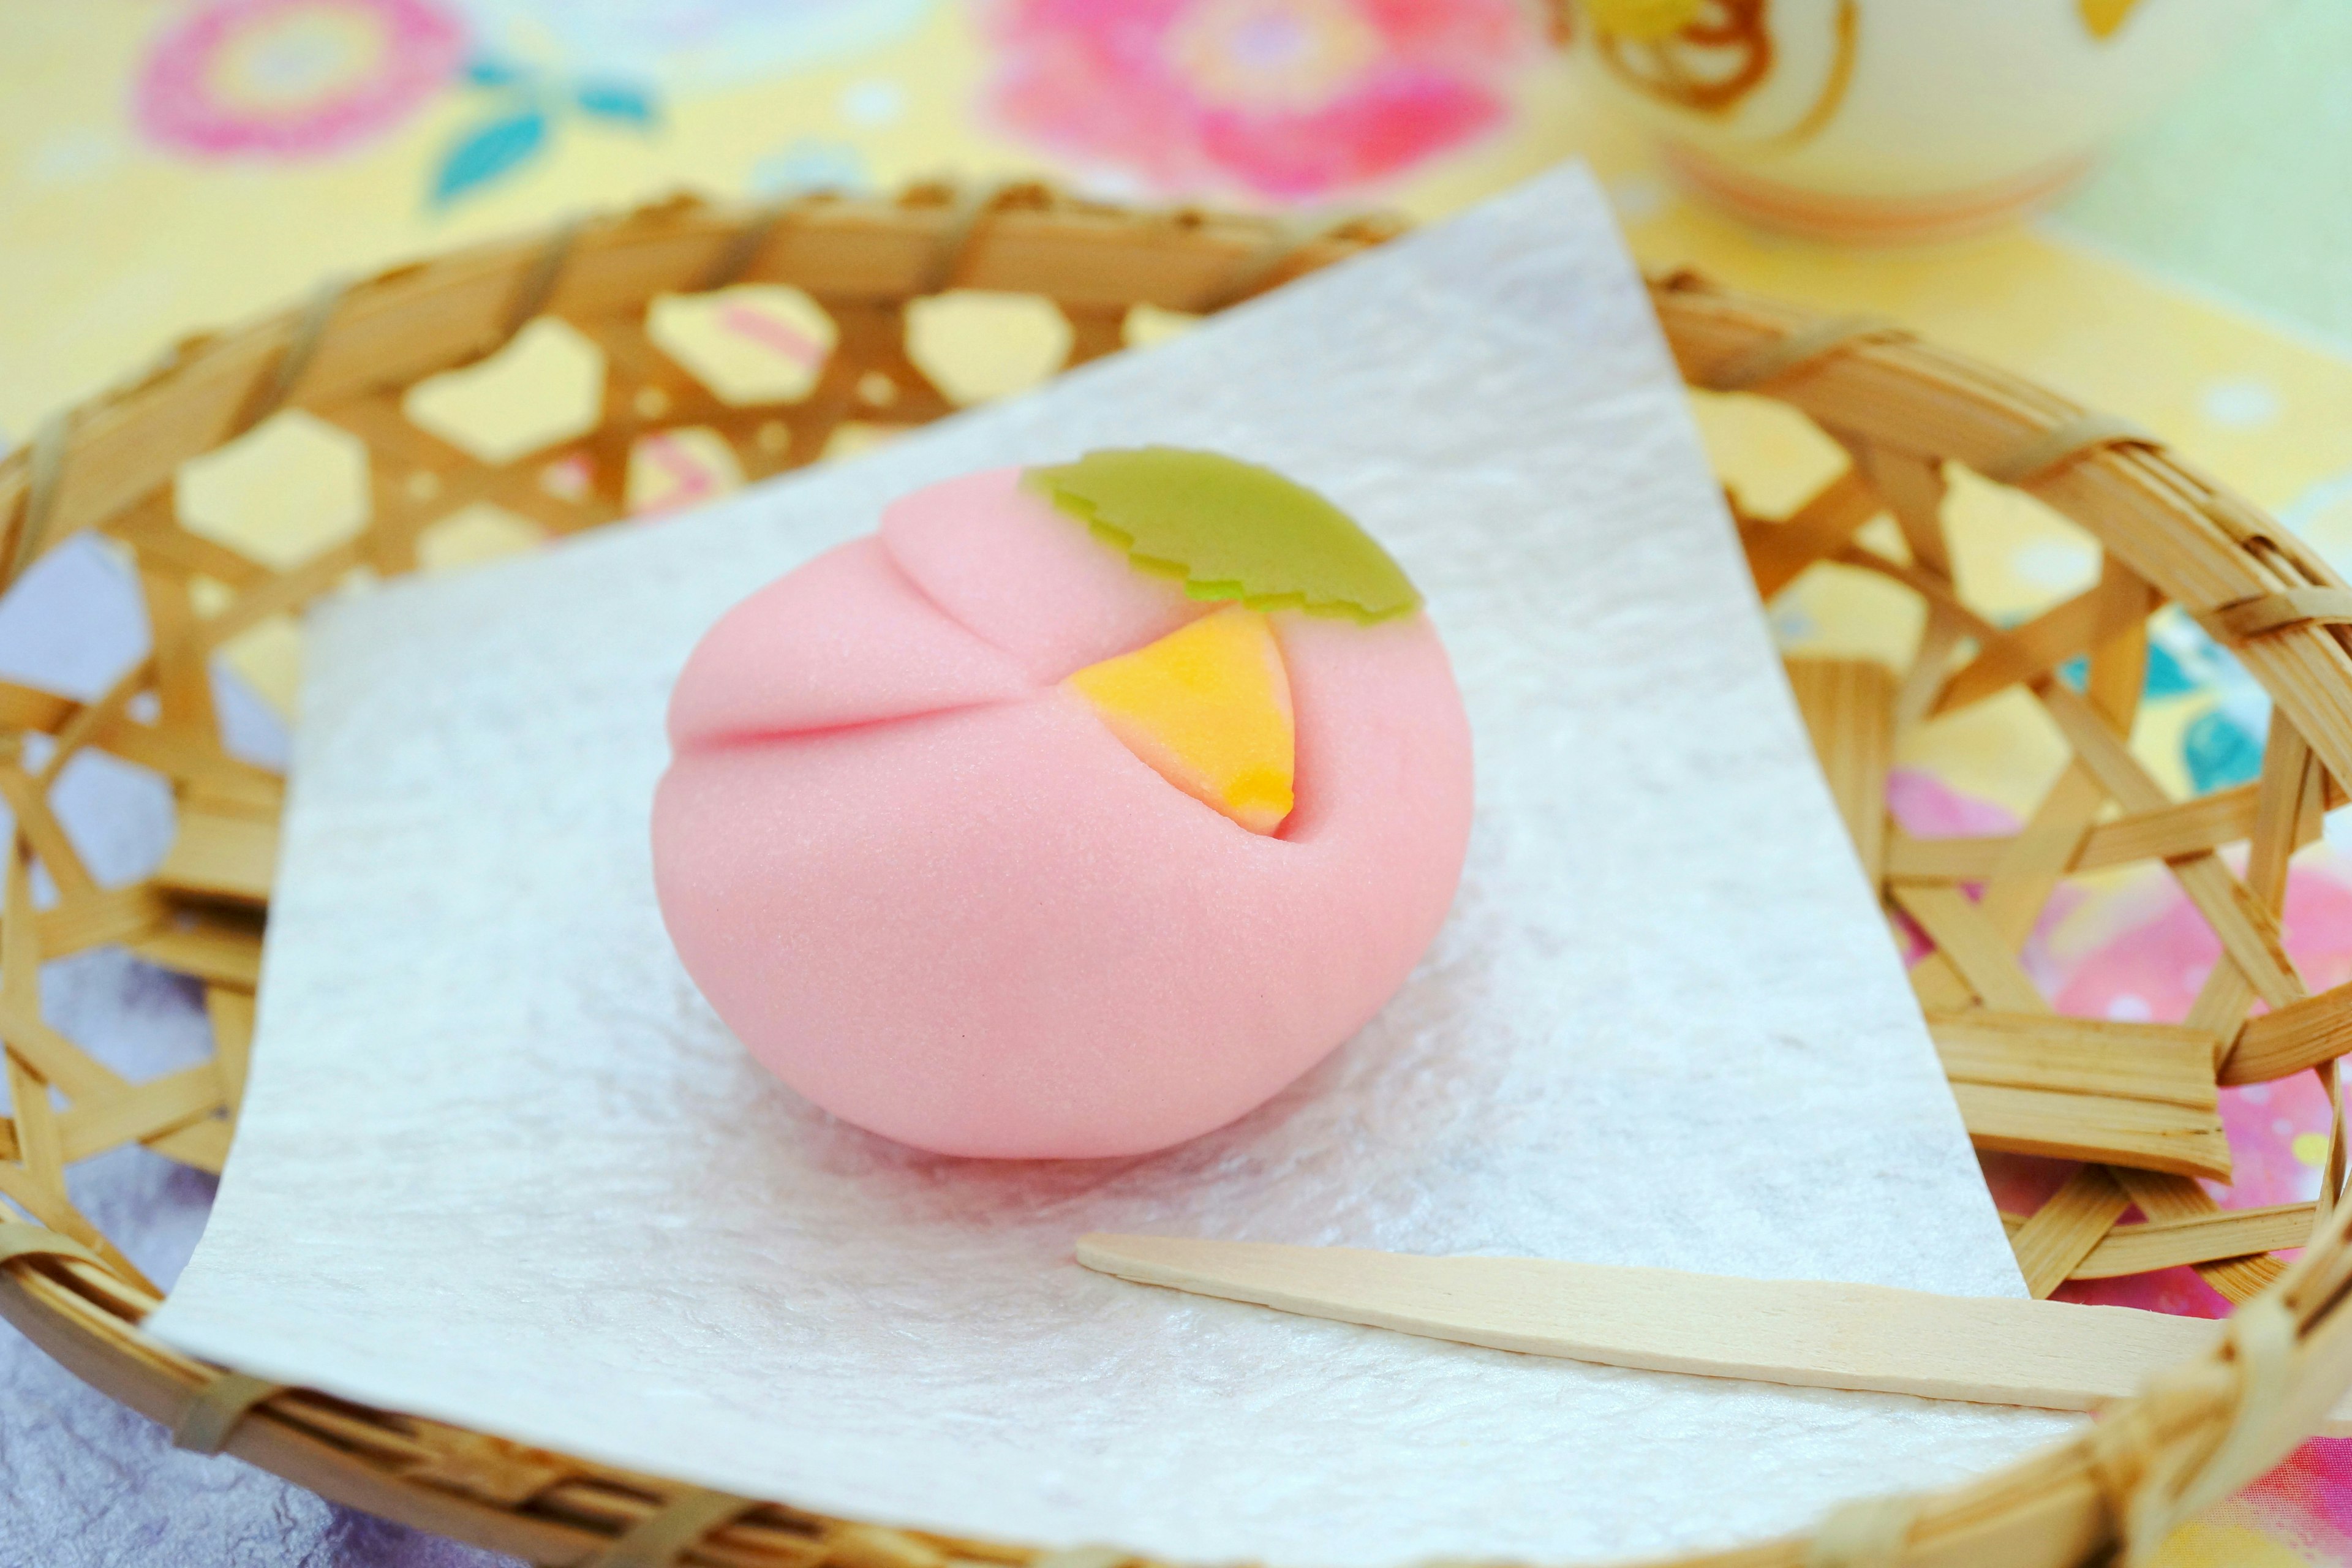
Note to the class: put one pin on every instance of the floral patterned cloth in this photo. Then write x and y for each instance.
(292, 79)
(174, 163)
(1281, 100)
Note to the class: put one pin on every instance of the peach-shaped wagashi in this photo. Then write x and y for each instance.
(1074, 813)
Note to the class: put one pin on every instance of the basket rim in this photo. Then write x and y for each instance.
(2249, 581)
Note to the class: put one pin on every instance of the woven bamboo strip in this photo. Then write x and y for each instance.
(222, 855)
(54, 1060)
(2198, 1238)
(154, 531)
(2115, 672)
(2229, 990)
(2148, 1135)
(1939, 594)
(1913, 488)
(1962, 934)
(2169, 832)
(149, 1111)
(2079, 1056)
(22, 707)
(232, 1014)
(91, 722)
(2031, 865)
(195, 761)
(279, 594)
(44, 834)
(2248, 934)
(1941, 635)
(2035, 648)
(184, 687)
(40, 1146)
(2287, 811)
(116, 915)
(2290, 806)
(2067, 1229)
(1848, 706)
(2301, 1035)
(206, 947)
(1936, 986)
(2175, 1197)
(1777, 551)
(2030, 870)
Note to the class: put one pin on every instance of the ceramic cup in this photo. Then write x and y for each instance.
(1893, 119)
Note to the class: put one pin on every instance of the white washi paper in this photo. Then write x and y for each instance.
(499, 1163)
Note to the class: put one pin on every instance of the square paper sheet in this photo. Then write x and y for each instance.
(501, 1164)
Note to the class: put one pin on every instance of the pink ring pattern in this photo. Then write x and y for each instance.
(178, 104)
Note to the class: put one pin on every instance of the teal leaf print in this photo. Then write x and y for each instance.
(489, 150)
(2165, 676)
(2219, 753)
(615, 100)
(488, 70)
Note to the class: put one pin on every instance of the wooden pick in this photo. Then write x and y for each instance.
(1991, 1349)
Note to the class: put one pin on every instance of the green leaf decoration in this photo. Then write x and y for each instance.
(1231, 529)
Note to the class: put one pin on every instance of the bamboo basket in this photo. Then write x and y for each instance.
(2134, 1102)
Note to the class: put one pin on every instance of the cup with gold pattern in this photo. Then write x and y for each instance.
(1893, 119)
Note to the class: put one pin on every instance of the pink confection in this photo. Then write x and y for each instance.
(930, 890)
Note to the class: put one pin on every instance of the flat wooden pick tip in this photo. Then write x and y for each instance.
(1256, 1272)
(1108, 1252)
(1801, 1332)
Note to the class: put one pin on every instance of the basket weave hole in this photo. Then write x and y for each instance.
(1772, 455)
(2013, 553)
(1146, 325)
(678, 467)
(285, 490)
(546, 386)
(751, 345)
(471, 535)
(975, 344)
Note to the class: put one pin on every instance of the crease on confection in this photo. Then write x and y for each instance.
(736, 740)
(946, 612)
(1110, 536)
(739, 740)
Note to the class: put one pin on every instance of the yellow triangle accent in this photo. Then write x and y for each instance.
(1208, 708)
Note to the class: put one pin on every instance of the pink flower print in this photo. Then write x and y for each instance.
(2154, 969)
(293, 79)
(2307, 1501)
(1925, 806)
(1284, 100)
